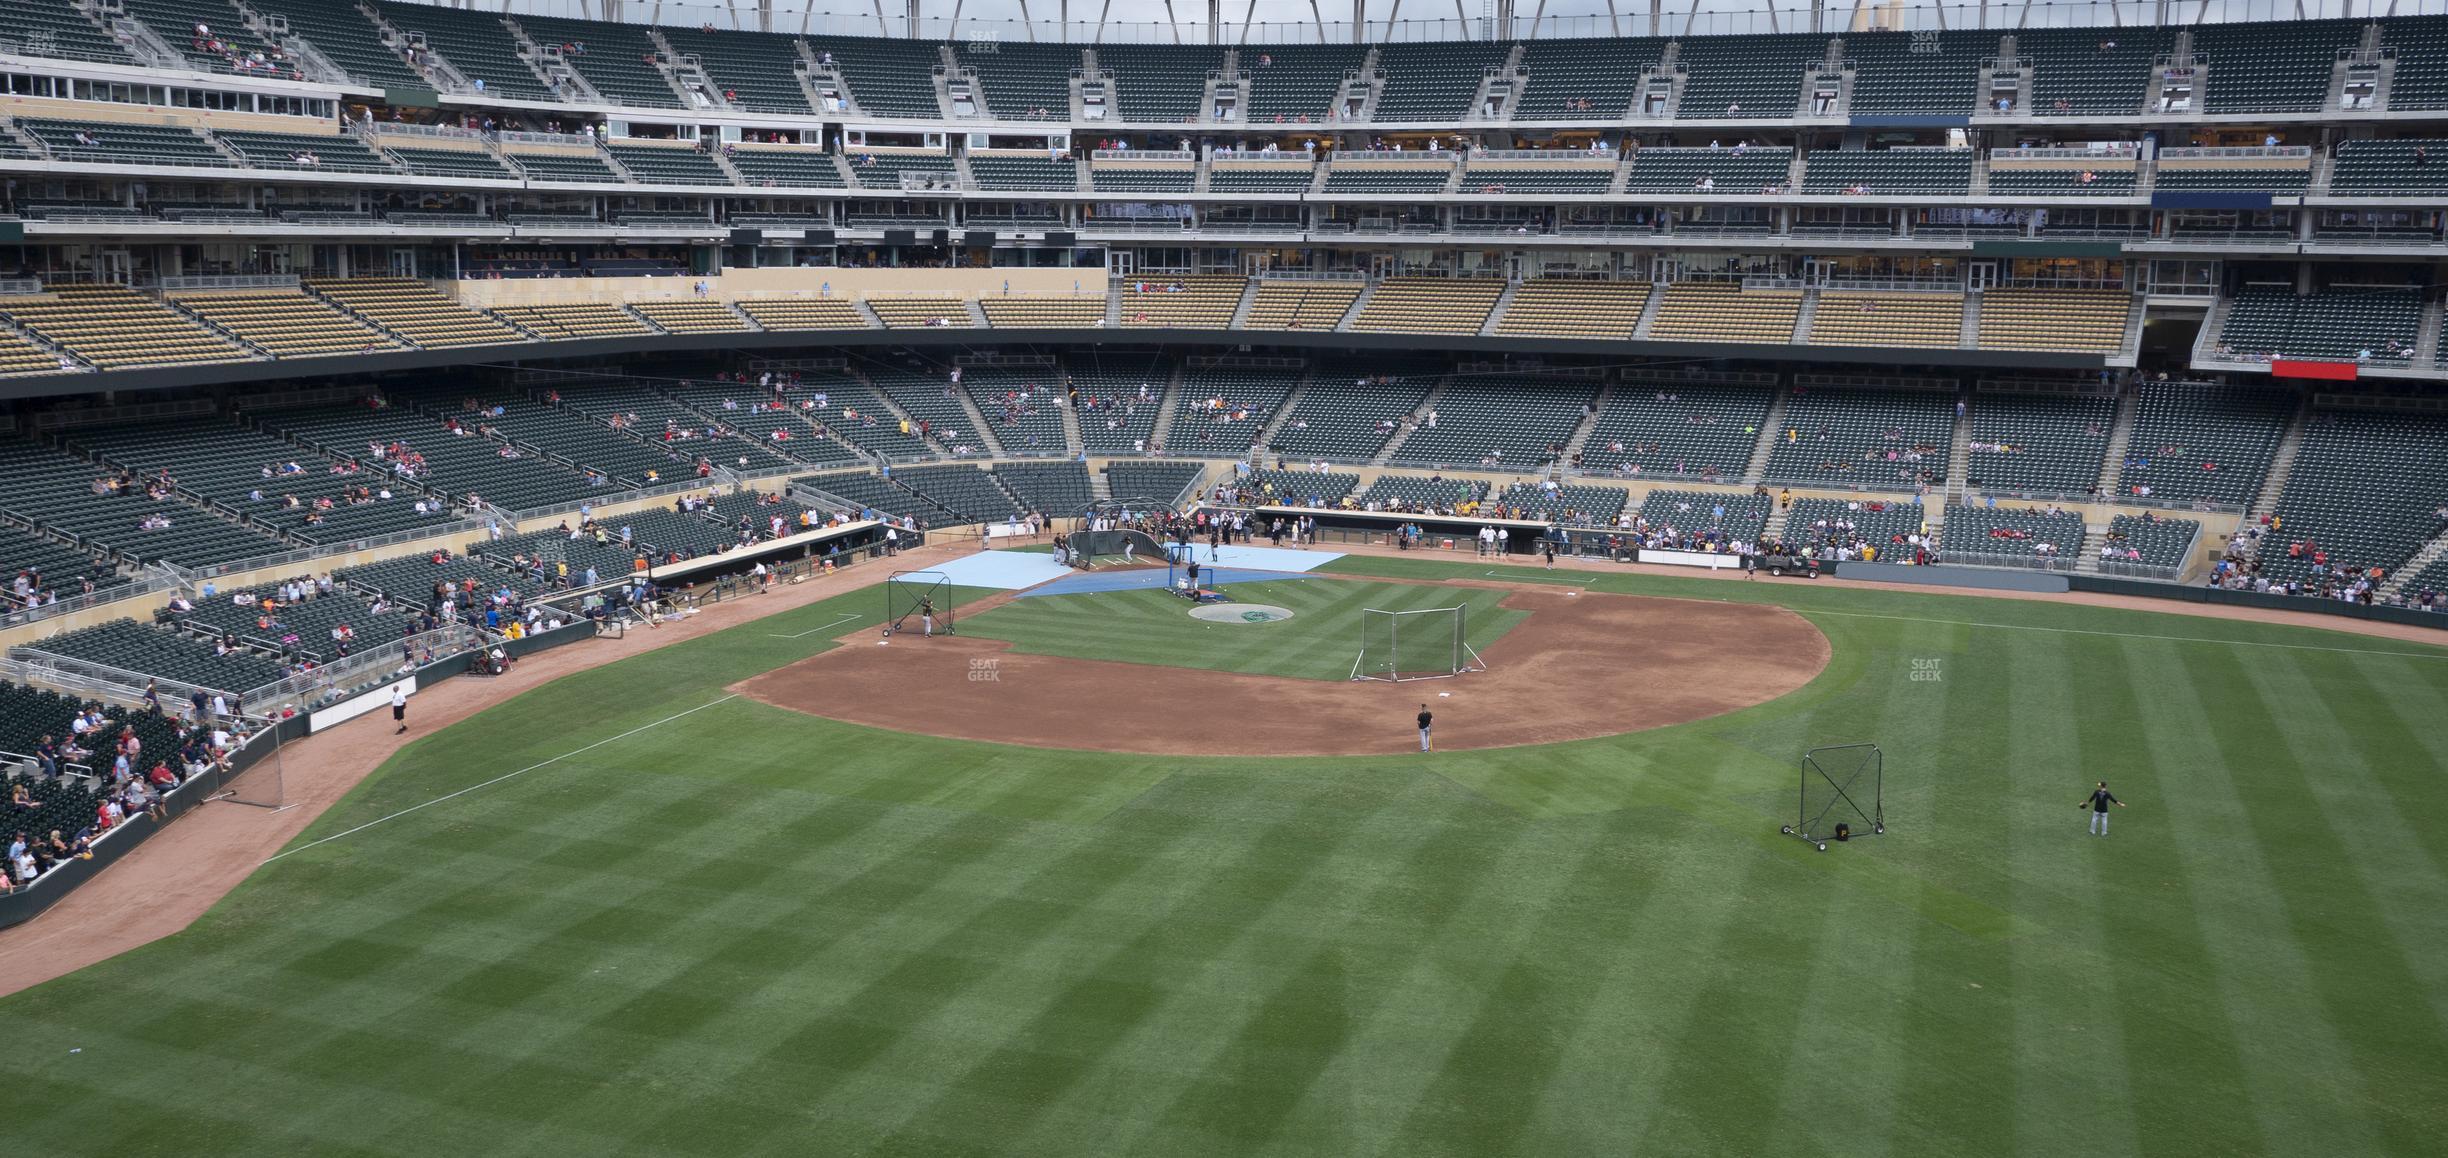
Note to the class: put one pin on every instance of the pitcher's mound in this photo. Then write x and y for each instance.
(1579, 666)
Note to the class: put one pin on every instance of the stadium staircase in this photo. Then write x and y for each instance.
(2120, 439)
(1959, 458)
(893, 408)
(988, 442)
(1496, 313)
(2282, 462)
(1770, 428)
(977, 314)
(1803, 315)
(2086, 561)
(867, 312)
(1649, 313)
(1589, 424)
(1509, 73)
(1241, 310)
(1367, 291)
(1774, 529)
(1283, 414)
(1100, 485)
(1167, 409)
(813, 74)
(1074, 443)
(1969, 337)
(2405, 573)
(1113, 306)
(2427, 335)
(1980, 176)
(1419, 415)
(2206, 340)
(951, 67)
(2129, 354)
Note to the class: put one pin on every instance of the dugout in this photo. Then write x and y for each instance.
(1380, 526)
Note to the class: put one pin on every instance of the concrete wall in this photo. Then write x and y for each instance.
(781, 282)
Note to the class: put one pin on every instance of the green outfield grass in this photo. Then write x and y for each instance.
(710, 926)
(1319, 642)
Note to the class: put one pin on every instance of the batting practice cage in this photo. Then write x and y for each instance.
(1101, 534)
(1840, 786)
(912, 596)
(1428, 644)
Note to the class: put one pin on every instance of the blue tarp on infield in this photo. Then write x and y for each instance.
(1153, 578)
(1003, 570)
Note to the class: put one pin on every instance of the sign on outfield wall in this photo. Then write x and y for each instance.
(350, 709)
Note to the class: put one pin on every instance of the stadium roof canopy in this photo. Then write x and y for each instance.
(1344, 21)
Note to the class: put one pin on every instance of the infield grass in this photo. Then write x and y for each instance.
(1319, 642)
(749, 930)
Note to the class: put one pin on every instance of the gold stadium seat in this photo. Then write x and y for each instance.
(1181, 303)
(804, 313)
(2080, 320)
(1429, 305)
(691, 316)
(1572, 308)
(1867, 318)
(19, 356)
(919, 313)
(113, 326)
(1301, 305)
(570, 320)
(1062, 313)
(285, 324)
(1716, 311)
(415, 311)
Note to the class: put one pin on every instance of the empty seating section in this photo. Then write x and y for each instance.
(668, 164)
(1928, 73)
(1882, 526)
(884, 170)
(19, 356)
(1022, 407)
(415, 311)
(286, 325)
(1202, 302)
(1223, 409)
(1301, 305)
(757, 72)
(2002, 537)
(886, 78)
(1870, 318)
(1053, 489)
(1024, 80)
(970, 494)
(1347, 420)
(1297, 83)
(1725, 312)
(2390, 168)
(459, 465)
(1677, 429)
(2048, 444)
(870, 493)
(2272, 174)
(2163, 544)
(1572, 79)
(1745, 76)
(785, 165)
(1563, 178)
(2035, 319)
(1044, 313)
(691, 317)
(57, 28)
(1387, 177)
(53, 567)
(1299, 488)
(477, 44)
(1159, 83)
(920, 313)
(1429, 305)
(1433, 82)
(617, 60)
(1573, 308)
(2421, 43)
(1886, 172)
(562, 321)
(2197, 440)
(1509, 422)
(346, 38)
(2106, 180)
(1580, 506)
(318, 152)
(1273, 178)
(2271, 67)
(1873, 439)
(803, 313)
(565, 166)
(1677, 170)
(2340, 324)
(2090, 71)
(474, 163)
(2366, 490)
(120, 143)
(62, 495)
(131, 646)
(1037, 173)
(113, 326)
(1697, 513)
(1161, 481)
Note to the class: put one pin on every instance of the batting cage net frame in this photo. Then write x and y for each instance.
(908, 595)
(1843, 784)
(1087, 544)
(1430, 643)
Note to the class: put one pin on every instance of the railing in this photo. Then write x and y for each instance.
(378, 128)
(1607, 155)
(2108, 149)
(2061, 562)
(132, 590)
(466, 525)
(1142, 155)
(232, 281)
(2258, 152)
(1873, 382)
(1398, 156)
(1895, 284)
(340, 677)
(20, 285)
(1764, 282)
(133, 412)
(638, 494)
(565, 140)
(30, 664)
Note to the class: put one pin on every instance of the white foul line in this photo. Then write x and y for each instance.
(809, 631)
(2121, 634)
(498, 779)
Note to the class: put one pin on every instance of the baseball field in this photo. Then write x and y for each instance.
(677, 907)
